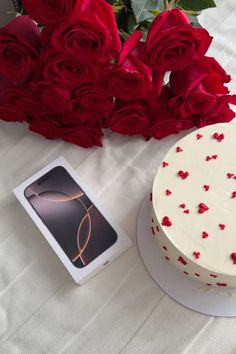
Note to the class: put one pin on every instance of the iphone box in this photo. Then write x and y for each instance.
(72, 220)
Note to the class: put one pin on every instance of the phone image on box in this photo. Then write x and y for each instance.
(74, 221)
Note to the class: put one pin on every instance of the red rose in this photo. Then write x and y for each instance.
(53, 11)
(80, 117)
(45, 126)
(198, 88)
(62, 68)
(56, 99)
(172, 43)
(129, 118)
(94, 98)
(164, 122)
(19, 47)
(23, 101)
(130, 78)
(9, 114)
(220, 114)
(82, 135)
(91, 34)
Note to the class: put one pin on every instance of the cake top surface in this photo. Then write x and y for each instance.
(195, 187)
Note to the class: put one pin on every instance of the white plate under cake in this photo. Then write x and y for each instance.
(194, 205)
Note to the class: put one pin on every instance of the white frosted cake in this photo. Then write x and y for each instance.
(194, 205)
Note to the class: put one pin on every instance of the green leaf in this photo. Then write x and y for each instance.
(143, 8)
(196, 5)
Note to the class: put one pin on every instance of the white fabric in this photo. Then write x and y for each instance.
(121, 309)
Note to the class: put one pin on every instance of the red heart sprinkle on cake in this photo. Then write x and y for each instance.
(230, 175)
(183, 174)
(234, 194)
(206, 187)
(168, 192)
(196, 254)
(178, 149)
(164, 164)
(214, 157)
(218, 137)
(182, 205)
(205, 234)
(166, 221)
(222, 226)
(182, 260)
(186, 211)
(233, 257)
(208, 158)
(199, 136)
(202, 208)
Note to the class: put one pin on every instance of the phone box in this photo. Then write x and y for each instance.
(72, 220)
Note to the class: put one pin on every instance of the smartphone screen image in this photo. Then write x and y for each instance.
(74, 221)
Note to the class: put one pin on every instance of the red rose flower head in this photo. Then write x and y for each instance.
(130, 77)
(19, 48)
(172, 43)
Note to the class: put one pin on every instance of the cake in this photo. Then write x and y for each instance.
(194, 205)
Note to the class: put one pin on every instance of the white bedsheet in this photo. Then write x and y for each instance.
(121, 309)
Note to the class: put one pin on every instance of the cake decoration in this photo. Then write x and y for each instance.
(186, 211)
(182, 205)
(183, 174)
(164, 164)
(168, 192)
(182, 260)
(221, 284)
(202, 208)
(234, 194)
(230, 175)
(153, 231)
(213, 275)
(178, 149)
(186, 272)
(196, 254)
(214, 157)
(166, 221)
(199, 136)
(197, 275)
(222, 226)
(206, 187)
(208, 284)
(167, 258)
(218, 136)
(164, 248)
(205, 234)
(233, 257)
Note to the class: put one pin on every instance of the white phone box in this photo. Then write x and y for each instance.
(58, 201)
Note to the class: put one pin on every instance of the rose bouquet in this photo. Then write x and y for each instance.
(71, 68)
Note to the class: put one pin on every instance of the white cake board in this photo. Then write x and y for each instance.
(186, 291)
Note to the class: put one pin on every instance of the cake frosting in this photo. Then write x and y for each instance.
(194, 205)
